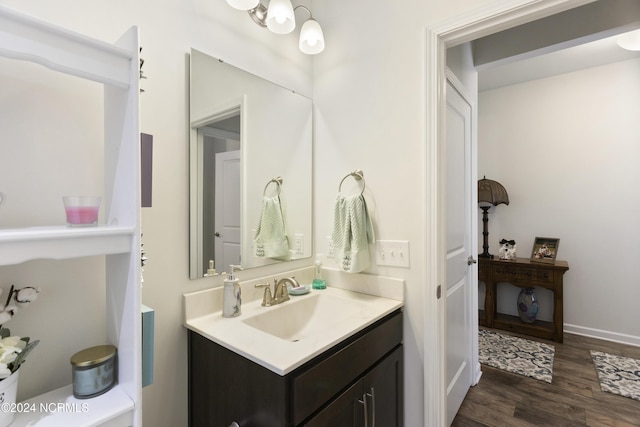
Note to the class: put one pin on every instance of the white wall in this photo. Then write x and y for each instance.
(566, 149)
(369, 88)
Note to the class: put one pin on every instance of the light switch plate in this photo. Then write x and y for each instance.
(394, 253)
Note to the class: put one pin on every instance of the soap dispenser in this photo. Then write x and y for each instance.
(318, 281)
(231, 298)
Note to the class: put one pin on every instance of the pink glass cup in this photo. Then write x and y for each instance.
(82, 211)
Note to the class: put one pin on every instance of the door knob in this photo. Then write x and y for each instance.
(216, 234)
(471, 260)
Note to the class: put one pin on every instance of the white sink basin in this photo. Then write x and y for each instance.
(296, 320)
(287, 335)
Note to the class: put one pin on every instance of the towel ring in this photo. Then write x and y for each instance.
(277, 181)
(358, 175)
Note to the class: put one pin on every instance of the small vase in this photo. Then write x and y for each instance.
(527, 305)
(8, 393)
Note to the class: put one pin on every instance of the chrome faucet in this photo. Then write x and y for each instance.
(280, 292)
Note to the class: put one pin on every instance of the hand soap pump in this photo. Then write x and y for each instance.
(231, 298)
(318, 281)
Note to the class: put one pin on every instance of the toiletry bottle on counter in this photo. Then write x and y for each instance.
(231, 298)
(211, 271)
(318, 281)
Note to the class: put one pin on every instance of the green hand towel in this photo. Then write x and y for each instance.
(352, 233)
(271, 234)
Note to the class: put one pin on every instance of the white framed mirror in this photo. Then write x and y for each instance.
(246, 132)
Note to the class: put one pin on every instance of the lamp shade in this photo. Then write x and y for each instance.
(243, 4)
(280, 17)
(491, 192)
(311, 38)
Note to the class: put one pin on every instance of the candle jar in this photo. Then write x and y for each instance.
(94, 371)
(81, 211)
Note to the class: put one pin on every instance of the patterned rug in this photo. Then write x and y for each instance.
(516, 355)
(618, 374)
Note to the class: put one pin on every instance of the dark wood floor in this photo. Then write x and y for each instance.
(572, 399)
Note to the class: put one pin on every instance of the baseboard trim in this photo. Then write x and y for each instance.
(603, 335)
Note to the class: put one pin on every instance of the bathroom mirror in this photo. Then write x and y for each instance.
(246, 134)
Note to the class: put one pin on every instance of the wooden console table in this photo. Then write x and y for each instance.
(524, 274)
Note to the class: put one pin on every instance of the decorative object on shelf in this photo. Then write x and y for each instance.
(527, 305)
(13, 349)
(490, 193)
(94, 371)
(143, 259)
(142, 76)
(8, 393)
(280, 18)
(507, 250)
(545, 249)
(81, 211)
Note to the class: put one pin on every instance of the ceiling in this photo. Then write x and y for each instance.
(575, 39)
(590, 54)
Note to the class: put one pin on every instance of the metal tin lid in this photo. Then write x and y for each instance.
(93, 355)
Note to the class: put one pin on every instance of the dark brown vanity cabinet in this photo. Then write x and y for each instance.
(375, 400)
(357, 383)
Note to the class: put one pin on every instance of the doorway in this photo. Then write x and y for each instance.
(471, 26)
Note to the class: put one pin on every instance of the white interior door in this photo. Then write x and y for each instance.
(227, 210)
(459, 293)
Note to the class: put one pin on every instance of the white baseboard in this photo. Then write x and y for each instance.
(603, 335)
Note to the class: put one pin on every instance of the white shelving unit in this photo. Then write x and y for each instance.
(116, 66)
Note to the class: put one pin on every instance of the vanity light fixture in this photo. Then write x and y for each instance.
(630, 40)
(279, 18)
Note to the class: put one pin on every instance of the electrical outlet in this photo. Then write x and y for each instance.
(394, 253)
(299, 245)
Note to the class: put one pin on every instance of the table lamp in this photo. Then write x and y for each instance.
(490, 193)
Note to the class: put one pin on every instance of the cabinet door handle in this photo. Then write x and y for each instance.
(372, 395)
(366, 412)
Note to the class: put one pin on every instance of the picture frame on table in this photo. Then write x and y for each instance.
(545, 250)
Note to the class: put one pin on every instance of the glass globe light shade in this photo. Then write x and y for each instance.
(311, 38)
(280, 18)
(243, 4)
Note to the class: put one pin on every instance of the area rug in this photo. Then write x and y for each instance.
(618, 374)
(517, 355)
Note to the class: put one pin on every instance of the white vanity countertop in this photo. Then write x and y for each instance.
(284, 355)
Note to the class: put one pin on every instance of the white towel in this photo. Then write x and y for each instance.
(352, 233)
(271, 234)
